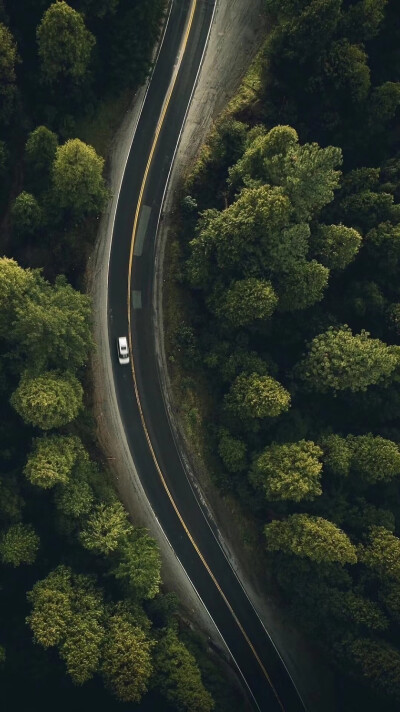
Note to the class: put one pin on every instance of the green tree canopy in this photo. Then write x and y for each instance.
(15, 284)
(75, 497)
(248, 231)
(291, 471)
(178, 677)
(336, 455)
(312, 537)
(139, 564)
(19, 544)
(126, 663)
(362, 20)
(232, 452)
(338, 360)
(49, 400)
(52, 460)
(381, 553)
(107, 526)
(379, 662)
(8, 61)
(302, 286)
(246, 301)
(68, 611)
(307, 173)
(26, 214)
(52, 327)
(40, 151)
(374, 458)
(64, 43)
(254, 396)
(336, 245)
(78, 183)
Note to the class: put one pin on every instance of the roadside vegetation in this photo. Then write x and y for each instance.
(81, 597)
(288, 256)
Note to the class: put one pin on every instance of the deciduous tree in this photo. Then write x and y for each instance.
(106, 528)
(52, 460)
(336, 245)
(49, 400)
(19, 544)
(78, 183)
(64, 43)
(246, 301)
(312, 537)
(26, 213)
(126, 664)
(177, 675)
(291, 471)
(254, 396)
(338, 360)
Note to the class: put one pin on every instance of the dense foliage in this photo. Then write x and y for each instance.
(290, 257)
(80, 591)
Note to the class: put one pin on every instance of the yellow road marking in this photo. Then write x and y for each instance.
(204, 562)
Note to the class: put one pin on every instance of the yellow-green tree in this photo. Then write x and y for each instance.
(255, 396)
(78, 182)
(19, 544)
(48, 401)
(338, 360)
(52, 460)
(178, 677)
(126, 660)
(311, 537)
(291, 471)
(64, 43)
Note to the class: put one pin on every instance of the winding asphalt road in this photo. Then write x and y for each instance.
(139, 393)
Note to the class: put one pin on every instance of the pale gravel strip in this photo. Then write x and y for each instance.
(235, 37)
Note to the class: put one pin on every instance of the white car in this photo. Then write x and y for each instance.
(123, 350)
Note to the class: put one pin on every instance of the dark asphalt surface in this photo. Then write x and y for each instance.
(147, 374)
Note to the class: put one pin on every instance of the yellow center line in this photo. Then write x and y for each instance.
(134, 230)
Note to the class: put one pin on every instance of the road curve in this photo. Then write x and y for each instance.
(138, 388)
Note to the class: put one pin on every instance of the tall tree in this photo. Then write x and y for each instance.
(78, 183)
(49, 400)
(139, 565)
(177, 675)
(381, 553)
(291, 471)
(52, 460)
(19, 544)
(107, 526)
(312, 537)
(126, 660)
(338, 360)
(64, 43)
(8, 61)
(254, 396)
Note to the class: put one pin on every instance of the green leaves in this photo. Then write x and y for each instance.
(19, 545)
(337, 361)
(288, 472)
(381, 553)
(78, 183)
(52, 460)
(49, 400)
(178, 676)
(105, 528)
(254, 396)
(64, 43)
(312, 537)
(127, 664)
(247, 301)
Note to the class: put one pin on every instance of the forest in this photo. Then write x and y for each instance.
(289, 259)
(84, 620)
